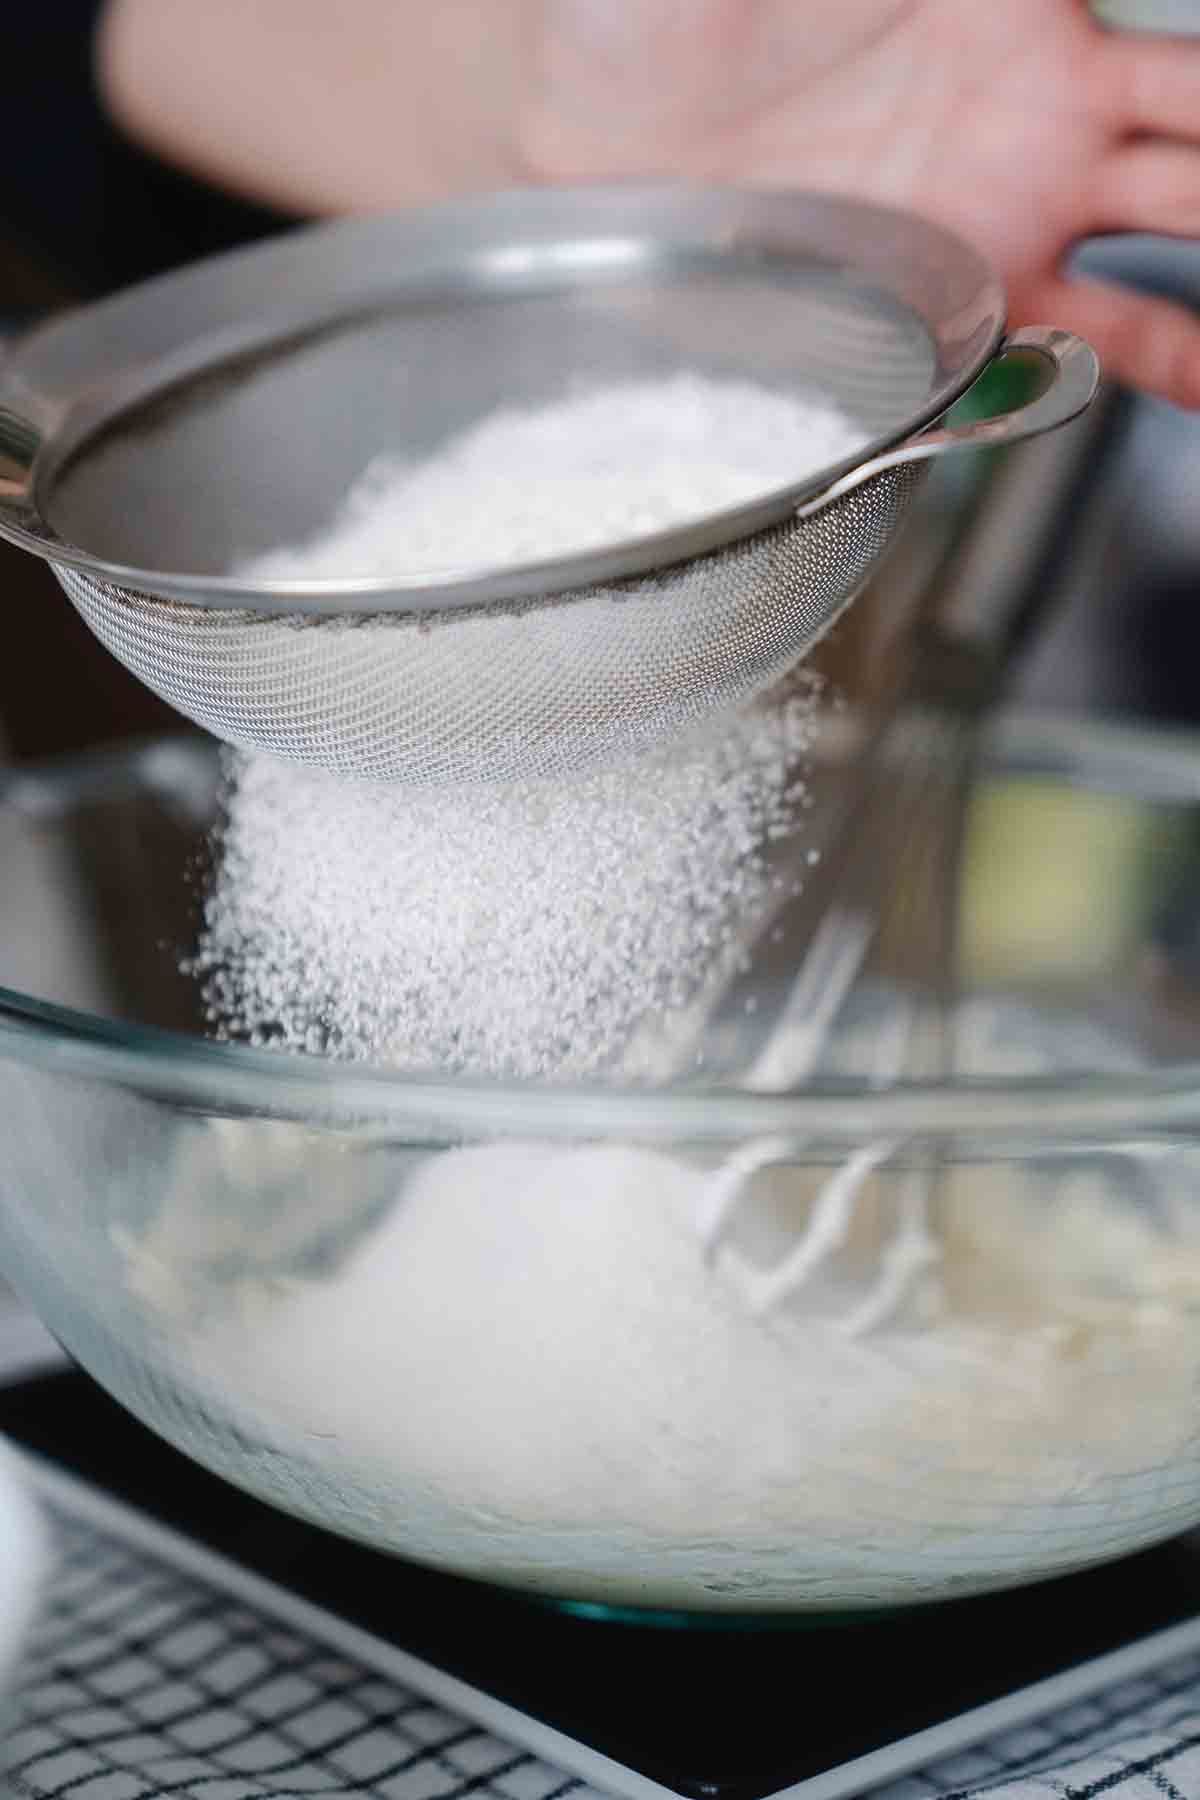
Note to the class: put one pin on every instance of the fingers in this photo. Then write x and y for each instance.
(1152, 85)
(1141, 341)
(1149, 187)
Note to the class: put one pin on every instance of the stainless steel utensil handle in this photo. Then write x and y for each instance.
(1074, 375)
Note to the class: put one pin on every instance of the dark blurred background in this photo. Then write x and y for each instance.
(82, 211)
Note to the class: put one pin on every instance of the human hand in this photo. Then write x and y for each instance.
(1023, 127)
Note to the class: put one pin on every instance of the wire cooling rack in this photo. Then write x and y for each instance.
(160, 1669)
(146, 1677)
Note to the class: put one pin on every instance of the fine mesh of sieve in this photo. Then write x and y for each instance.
(511, 690)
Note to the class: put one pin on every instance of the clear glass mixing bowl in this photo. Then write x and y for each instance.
(477, 1324)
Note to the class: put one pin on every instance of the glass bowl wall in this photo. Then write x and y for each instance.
(477, 1324)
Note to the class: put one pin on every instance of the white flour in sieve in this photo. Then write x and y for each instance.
(524, 928)
(519, 1363)
(599, 466)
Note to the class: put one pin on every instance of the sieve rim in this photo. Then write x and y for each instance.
(49, 383)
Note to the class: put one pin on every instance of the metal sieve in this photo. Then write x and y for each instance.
(153, 442)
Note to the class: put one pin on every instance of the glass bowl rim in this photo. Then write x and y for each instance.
(239, 1080)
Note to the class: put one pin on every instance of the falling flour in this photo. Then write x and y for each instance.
(519, 928)
(516, 1360)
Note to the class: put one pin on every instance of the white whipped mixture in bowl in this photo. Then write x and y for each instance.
(526, 1365)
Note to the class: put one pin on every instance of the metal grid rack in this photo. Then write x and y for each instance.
(159, 1670)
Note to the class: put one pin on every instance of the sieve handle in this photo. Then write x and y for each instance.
(1073, 375)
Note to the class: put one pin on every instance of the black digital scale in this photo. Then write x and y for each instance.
(682, 1705)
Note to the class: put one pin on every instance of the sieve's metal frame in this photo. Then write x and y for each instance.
(179, 418)
(68, 381)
